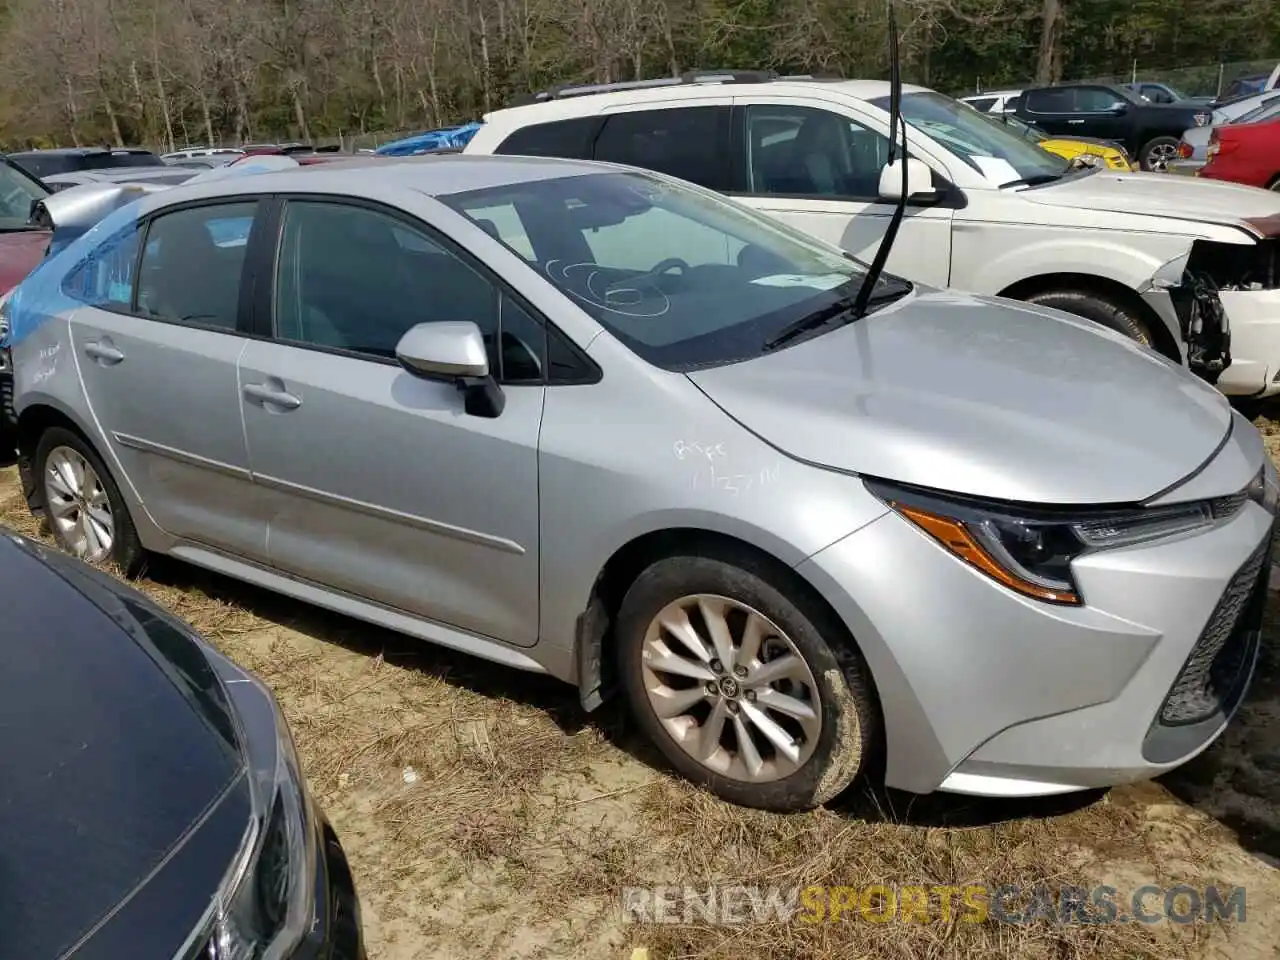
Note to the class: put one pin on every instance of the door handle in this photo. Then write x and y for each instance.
(104, 353)
(1075, 121)
(276, 398)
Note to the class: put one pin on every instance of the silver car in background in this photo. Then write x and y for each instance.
(1193, 150)
(594, 422)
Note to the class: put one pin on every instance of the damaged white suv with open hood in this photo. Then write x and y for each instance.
(1189, 267)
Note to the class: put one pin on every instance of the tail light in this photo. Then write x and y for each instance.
(1184, 150)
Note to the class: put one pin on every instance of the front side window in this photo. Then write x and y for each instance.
(984, 143)
(18, 192)
(192, 265)
(684, 278)
(807, 152)
(362, 293)
(982, 104)
(686, 142)
(105, 277)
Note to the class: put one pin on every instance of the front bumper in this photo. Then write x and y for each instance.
(1254, 316)
(335, 931)
(986, 692)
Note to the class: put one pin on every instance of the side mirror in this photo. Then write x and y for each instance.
(453, 351)
(919, 181)
(1119, 108)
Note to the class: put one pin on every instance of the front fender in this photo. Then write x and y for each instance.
(1094, 256)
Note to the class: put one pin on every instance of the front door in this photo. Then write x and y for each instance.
(157, 354)
(819, 171)
(384, 486)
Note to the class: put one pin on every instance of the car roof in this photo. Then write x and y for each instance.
(76, 151)
(592, 103)
(433, 175)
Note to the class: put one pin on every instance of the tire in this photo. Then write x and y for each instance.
(834, 745)
(1099, 309)
(1157, 152)
(1274, 185)
(126, 550)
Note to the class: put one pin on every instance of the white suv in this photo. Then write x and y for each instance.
(1161, 259)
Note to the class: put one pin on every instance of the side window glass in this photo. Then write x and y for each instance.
(1050, 100)
(105, 278)
(364, 293)
(1096, 99)
(503, 223)
(686, 142)
(191, 267)
(560, 138)
(807, 152)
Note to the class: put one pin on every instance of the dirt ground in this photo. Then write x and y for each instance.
(487, 817)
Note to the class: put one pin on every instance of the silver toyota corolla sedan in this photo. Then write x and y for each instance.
(594, 422)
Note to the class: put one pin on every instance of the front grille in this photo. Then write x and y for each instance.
(1210, 679)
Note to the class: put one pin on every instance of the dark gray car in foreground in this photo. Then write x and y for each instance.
(151, 804)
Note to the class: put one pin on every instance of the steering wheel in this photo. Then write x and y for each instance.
(666, 266)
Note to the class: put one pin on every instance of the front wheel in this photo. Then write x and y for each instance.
(1099, 309)
(1157, 153)
(736, 684)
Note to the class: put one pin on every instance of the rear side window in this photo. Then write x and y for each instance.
(191, 267)
(983, 104)
(105, 278)
(43, 166)
(691, 143)
(570, 139)
(111, 161)
(1050, 100)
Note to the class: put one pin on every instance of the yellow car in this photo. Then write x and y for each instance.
(1111, 155)
(1107, 153)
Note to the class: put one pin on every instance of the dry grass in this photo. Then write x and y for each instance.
(486, 816)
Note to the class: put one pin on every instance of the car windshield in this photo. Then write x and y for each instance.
(684, 278)
(17, 192)
(1001, 155)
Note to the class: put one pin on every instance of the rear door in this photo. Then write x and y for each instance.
(157, 345)
(1053, 110)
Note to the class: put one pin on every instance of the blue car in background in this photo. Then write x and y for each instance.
(445, 138)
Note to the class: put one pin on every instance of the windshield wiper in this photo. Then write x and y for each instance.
(811, 321)
(895, 122)
(1042, 178)
(844, 308)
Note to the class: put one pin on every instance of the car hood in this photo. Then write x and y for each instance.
(984, 397)
(1158, 195)
(20, 253)
(123, 800)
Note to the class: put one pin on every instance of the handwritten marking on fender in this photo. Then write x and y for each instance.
(715, 473)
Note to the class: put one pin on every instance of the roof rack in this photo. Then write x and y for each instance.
(564, 91)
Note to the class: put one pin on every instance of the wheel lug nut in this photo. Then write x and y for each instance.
(739, 672)
(751, 696)
(717, 666)
(733, 706)
(712, 688)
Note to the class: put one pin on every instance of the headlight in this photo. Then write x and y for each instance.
(266, 902)
(1030, 550)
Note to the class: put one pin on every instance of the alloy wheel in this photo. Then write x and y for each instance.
(1158, 157)
(77, 505)
(730, 688)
